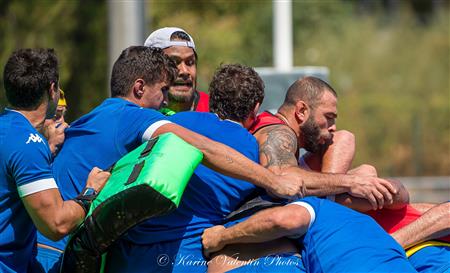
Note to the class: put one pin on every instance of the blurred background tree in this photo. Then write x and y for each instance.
(389, 61)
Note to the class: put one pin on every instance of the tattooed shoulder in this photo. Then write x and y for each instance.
(277, 146)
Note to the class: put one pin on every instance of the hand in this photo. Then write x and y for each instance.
(54, 133)
(211, 240)
(379, 192)
(97, 179)
(288, 186)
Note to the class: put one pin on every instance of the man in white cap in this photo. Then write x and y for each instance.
(179, 46)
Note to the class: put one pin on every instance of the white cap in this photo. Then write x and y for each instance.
(160, 38)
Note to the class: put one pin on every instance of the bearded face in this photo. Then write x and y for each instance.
(315, 139)
(183, 88)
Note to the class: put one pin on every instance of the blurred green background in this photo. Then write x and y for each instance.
(388, 60)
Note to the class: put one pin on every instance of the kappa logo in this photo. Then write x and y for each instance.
(35, 138)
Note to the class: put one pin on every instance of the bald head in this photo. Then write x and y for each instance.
(309, 90)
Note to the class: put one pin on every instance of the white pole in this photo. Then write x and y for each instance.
(282, 35)
(126, 23)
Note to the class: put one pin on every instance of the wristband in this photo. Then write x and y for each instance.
(85, 198)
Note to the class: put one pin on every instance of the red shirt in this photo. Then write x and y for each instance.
(201, 102)
(265, 119)
(393, 220)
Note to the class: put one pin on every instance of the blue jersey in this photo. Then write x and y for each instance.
(342, 240)
(208, 198)
(25, 169)
(431, 259)
(100, 138)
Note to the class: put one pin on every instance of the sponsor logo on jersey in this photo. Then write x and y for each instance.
(34, 138)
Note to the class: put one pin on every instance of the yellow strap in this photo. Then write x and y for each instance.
(62, 99)
(419, 246)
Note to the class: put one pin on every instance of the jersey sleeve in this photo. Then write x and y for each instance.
(30, 167)
(186, 119)
(139, 124)
(310, 205)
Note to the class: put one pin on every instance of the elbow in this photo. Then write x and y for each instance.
(401, 198)
(58, 234)
(346, 138)
(58, 231)
(286, 221)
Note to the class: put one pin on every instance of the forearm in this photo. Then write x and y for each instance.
(321, 184)
(67, 217)
(432, 224)
(52, 216)
(222, 158)
(338, 156)
(264, 226)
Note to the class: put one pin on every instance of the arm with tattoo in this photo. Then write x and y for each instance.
(278, 148)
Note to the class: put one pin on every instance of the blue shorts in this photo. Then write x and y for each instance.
(169, 257)
(280, 263)
(431, 259)
(46, 261)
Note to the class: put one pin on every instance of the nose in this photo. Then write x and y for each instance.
(183, 69)
(332, 128)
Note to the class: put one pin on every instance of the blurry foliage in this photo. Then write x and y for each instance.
(76, 30)
(390, 66)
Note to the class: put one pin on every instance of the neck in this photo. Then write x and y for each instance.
(130, 99)
(35, 116)
(289, 122)
(181, 106)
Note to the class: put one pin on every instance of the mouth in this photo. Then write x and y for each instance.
(325, 140)
(182, 85)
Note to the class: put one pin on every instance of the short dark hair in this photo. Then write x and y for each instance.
(28, 75)
(183, 36)
(180, 35)
(147, 63)
(234, 91)
(308, 89)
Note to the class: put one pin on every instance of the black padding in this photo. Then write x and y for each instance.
(108, 222)
(253, 206)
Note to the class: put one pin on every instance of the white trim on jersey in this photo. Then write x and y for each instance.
(309, 208)
(152, 128)
(37, 186)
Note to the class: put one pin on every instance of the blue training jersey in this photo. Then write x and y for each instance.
(209, 195)
(172, 243)
(431, 259)
(99, 139)
(342, 240)
(25, 169)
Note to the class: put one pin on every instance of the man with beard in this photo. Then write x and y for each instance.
(180, 47)
(307, 119)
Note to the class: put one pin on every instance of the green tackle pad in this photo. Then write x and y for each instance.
(147, 182)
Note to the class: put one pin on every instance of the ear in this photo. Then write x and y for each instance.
(53, 92)
(251, 117)
(256, 109)
(302, 111)
(138, 88)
